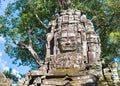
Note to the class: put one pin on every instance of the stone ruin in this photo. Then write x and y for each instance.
(72, 55)
(5, 81)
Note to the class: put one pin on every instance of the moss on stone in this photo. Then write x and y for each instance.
(70, 71)
(104, 83)
(101, 79)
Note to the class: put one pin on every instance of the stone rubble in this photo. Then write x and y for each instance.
(5, 81)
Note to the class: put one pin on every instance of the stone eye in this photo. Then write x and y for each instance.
(72, 38)
(63, 39)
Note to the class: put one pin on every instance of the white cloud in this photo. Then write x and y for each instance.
(0, 54)
(2, 40)
(4, 67)
(3, 63)
(16, 73)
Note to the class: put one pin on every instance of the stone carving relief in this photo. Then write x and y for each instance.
(73, 32)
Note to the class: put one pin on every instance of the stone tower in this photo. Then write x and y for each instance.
(72, 54)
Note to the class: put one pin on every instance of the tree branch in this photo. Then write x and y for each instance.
(29, 35)
(32, 52)
(112, 16)
(46, 27)
(35, 55)
(40, 39)
(21, 45)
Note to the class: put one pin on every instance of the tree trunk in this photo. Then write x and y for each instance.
(31, 50)
(35, 56)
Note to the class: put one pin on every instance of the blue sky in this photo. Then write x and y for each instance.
(5, 61)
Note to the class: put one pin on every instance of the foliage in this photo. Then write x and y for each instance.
(119, 73)
(20, 18)
(10, 75)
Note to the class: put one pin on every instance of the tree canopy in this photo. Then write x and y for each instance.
(25, 24)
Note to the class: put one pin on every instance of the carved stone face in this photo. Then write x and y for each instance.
(68, 41)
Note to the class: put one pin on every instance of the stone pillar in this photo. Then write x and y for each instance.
(114, 70)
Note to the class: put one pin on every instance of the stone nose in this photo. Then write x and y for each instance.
(68, 42)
